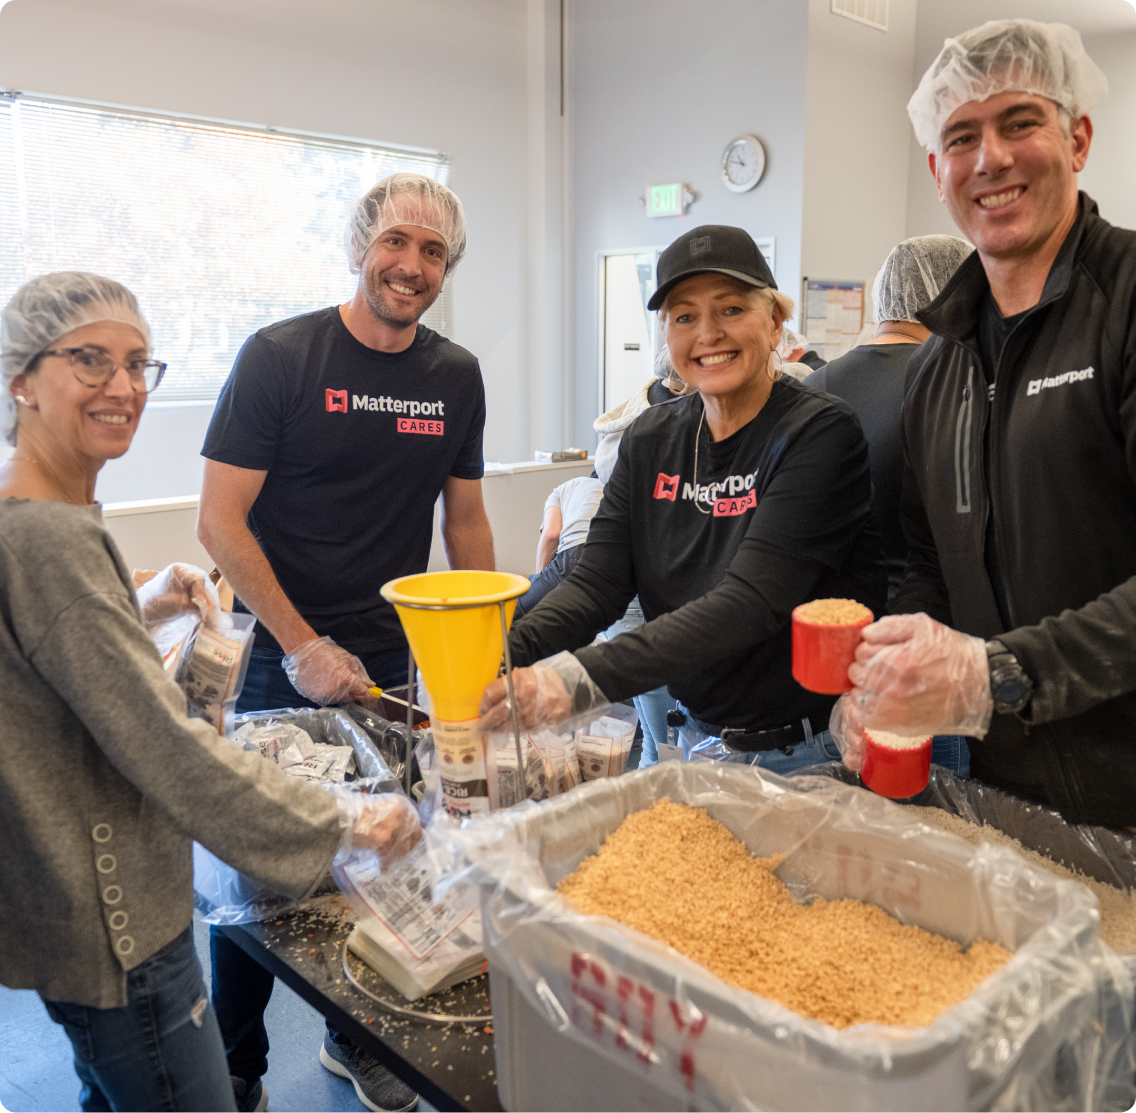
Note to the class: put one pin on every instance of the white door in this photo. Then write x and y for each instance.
(628, 328)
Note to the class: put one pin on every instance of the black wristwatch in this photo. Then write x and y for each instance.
(1009, 684)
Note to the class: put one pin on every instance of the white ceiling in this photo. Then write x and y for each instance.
(1090, 17)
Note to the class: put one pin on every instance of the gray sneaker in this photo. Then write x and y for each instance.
(377, 1088)
(249, 1099)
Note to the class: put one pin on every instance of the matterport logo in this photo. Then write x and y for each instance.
(1036, 386)
(730, 497)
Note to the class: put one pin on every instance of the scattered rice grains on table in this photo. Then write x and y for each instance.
(677, 875)
(833, 612)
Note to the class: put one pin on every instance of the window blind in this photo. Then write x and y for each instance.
(218, 231)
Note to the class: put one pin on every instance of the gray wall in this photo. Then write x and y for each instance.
(658, 90)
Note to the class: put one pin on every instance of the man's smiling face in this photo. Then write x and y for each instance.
(403, 273)
(1007, 171)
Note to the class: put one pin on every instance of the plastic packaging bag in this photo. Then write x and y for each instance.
(1044, 1032)
(223, 895)
(501, 767)
(603, 746)
(212, 671)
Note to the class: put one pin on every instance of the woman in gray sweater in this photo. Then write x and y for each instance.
(104, 782)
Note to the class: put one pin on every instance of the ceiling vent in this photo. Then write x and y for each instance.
(872, 12)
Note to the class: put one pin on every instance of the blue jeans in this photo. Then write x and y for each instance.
(162, 1051)
(241, 986)
(951, 752)
(653, 707)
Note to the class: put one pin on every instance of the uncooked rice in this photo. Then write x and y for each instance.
(832, 612)
(679, 876)
(897, 741)
(1117, 907)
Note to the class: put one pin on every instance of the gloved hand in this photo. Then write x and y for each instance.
(325, 673)
(554, 692)
(913, 675)
(179, 589)
(847, 731)
(385, 822)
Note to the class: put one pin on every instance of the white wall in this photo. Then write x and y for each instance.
(855, 184)
(434, 73)
(1108, 28)
(1110, 174)
(657, 90)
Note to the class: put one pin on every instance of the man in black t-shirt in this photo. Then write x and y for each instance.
(332, 440)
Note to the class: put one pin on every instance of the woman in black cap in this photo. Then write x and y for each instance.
(727, 508)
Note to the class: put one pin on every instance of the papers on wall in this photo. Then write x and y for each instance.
(834, 315)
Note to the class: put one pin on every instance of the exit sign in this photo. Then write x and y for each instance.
(666, 200)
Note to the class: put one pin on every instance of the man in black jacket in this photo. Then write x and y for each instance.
(1016, 621)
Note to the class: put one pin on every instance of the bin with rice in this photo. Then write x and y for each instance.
(591, 1013)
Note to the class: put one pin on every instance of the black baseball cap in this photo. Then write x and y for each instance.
(711, 247)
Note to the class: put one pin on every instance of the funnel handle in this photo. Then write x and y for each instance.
(410, 694)
(521, 779)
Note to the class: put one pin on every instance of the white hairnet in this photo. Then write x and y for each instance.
(790, 342)
(43, 310)
(914, 274)
(405, 199)
(1006, 55)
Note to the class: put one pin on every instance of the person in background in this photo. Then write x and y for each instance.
(653, 706)
(726, 509)
(794, 348)
(870, 377)
(1016, 621)
(568, 512)
(98, 822)
(332, 440)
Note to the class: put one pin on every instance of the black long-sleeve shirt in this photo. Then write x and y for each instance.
(780, 513)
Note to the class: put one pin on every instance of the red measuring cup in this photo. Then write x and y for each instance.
(823, 651)
(895, 766)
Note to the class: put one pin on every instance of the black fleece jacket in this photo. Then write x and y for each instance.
(1052, 459)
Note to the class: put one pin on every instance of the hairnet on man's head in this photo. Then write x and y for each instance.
(790, 342)
(405, 199)
(1002, 56)
(914, 274)
(48, 307)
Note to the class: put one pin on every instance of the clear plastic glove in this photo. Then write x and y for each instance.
(913, 675)
(325, 673)
(386, 823)
(556, 692)
(180, 589)
(848, 732)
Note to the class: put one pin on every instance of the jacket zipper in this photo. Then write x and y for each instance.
(962, 448)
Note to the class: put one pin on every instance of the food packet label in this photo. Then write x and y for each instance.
(572, 775)
(401, 897)
(211, 672)
(601, 756)
(311, 768)
(536, 779)
(461, 764)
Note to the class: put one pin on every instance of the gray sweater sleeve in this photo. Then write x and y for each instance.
(77, 623)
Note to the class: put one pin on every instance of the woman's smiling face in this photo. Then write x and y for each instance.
(720, 333)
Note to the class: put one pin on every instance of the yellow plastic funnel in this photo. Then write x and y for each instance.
(452, 621)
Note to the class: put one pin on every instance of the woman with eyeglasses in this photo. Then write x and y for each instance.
(104, 782)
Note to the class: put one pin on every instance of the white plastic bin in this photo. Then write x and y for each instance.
(591, 1015)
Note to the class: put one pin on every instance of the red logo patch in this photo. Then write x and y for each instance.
(729, 508)
(666, 487)
(336, 401)
(417, 425)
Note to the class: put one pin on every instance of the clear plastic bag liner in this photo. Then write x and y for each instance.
(223, 895)
(1044, 1032)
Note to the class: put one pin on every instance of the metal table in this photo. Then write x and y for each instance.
(451, 1065)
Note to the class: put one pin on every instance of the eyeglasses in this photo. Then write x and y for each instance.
(94, 367)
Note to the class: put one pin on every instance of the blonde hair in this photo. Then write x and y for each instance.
(769, 297)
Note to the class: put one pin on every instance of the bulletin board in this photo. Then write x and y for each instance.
(833, 315)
